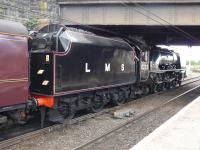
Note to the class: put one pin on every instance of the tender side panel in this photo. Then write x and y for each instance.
(90, 66)
(41, 73)
(13, 70)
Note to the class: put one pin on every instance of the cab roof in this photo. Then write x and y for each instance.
(12, 27)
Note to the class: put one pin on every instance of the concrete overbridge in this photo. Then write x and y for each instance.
(158, 21)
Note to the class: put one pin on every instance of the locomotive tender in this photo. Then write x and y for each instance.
(71, 69)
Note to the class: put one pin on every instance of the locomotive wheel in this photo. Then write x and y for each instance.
(151, 89)
(155, 88)
(179, 83)
(174, 83)
(159, 87)
(145, 90)
(118, 99)
(97, 104)
(68, 111)
(18, 117)
(169, 85)
(164, 86)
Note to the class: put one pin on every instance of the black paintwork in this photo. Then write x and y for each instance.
(78, 62)
(38, 62)
(66, 70)
(75, 50)
(164, 59)
(144, 65)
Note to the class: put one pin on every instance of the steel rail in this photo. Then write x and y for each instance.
(133, 120)
(16, 140)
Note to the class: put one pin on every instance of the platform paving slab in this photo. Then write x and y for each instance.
(181, 132)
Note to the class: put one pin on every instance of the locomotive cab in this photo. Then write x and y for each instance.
(142, 63)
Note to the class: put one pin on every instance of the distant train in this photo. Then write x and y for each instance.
(61, 70)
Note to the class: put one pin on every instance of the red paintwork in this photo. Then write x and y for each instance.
(13, 70)
(46, 101)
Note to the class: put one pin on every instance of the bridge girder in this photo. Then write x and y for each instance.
(134, 20)
(118, 14)
(124, 1)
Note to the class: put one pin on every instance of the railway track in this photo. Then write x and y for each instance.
(13, 141)
(190, 80)
(126, 125)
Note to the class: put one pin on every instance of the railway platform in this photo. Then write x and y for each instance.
(181, 132)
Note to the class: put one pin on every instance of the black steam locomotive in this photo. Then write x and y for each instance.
(68, 69)
(81, 70)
